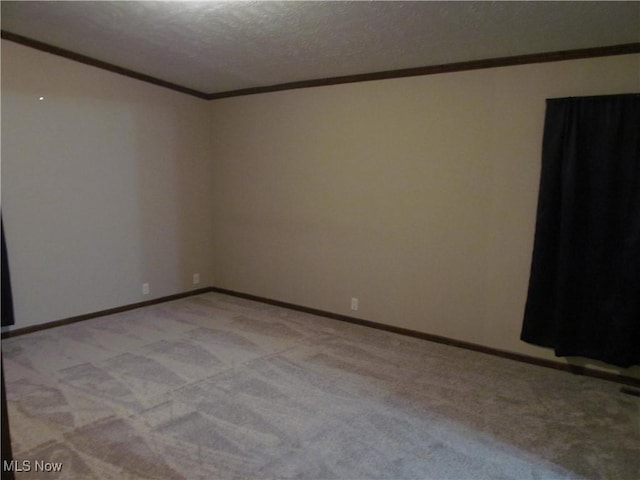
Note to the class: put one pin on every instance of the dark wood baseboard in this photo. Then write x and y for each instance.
(102, 313)
(575, 369)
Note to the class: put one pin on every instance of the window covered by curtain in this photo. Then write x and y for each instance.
(584, 289)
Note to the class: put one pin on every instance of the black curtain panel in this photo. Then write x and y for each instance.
(584, 288)
(7, 299)
(7, 319)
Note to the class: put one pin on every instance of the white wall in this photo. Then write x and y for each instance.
(106, 184)
(416, 195)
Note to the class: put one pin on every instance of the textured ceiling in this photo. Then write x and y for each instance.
(216, 47)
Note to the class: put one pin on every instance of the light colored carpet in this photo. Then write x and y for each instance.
(213, 386)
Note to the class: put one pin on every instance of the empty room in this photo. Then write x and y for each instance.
(320, 240)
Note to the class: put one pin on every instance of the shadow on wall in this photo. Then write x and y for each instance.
(173, 190)
(105, 183)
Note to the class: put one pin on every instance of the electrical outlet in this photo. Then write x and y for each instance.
(196, 278)
(145, 289)
(354, 303)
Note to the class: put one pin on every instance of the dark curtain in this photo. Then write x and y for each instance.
(7, 300)
(7, 319)
(584, 289)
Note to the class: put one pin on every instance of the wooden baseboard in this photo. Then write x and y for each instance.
(102, 313)
(575, 369)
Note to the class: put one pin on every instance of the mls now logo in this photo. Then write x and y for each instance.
(29, 466)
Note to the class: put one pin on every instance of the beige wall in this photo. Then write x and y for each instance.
(415, 195)
(105, 185)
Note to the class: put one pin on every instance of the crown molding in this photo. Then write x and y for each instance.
(545, 57)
